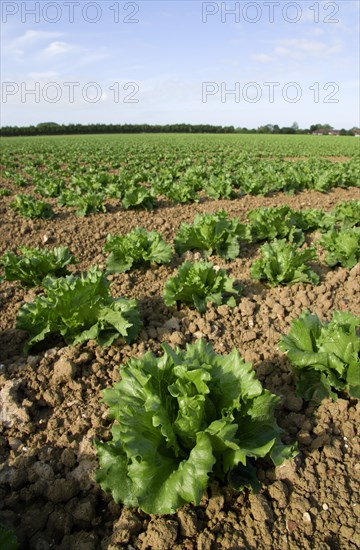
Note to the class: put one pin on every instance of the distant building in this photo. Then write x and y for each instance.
(326, 133)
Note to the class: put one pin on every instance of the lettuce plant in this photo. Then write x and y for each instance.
(137, 196)
(311, 219)
(29, 207)
(342, 247)
(347, 213)
(283, 263)
(183, 192)
(34, 264)
(49, 186)
(212, 233)
(181, 419)
(86, 203)
(79, 308)
(136, 248)
(279, 222)
(219, 187)
(199, 283)
(324, 356)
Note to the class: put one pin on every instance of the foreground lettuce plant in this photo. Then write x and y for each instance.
(34, 264)
(136, 248)
(199, 283)
(181, 419)
(324, 356)
(79, 309)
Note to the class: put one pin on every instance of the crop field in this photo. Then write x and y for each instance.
(179, 342)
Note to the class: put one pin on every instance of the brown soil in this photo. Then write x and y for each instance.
(52, 410)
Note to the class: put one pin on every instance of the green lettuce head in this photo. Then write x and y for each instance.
(181, 419)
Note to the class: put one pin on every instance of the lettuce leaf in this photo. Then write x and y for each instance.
(137, 196)
(220, 187)
(8, 539)
(180, 419)
(347, 213)
(324, 356)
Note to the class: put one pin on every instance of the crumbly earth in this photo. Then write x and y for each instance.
(52, 410)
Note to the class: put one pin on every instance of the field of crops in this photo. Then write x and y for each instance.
(186, 247)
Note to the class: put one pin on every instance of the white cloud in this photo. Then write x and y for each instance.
(33, 36)
(301, 46)
(56, 48)
(21, 45)
(262, 57)
(282, 51)
(43, 75)
(300, 49)
(317, 31)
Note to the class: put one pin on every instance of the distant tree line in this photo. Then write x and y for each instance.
(52, 128)
(294, 129)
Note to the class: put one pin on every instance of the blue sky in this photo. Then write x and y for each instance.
(178, 61)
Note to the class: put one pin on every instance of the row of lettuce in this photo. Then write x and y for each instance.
(142, 186)
(282, 260)
(81, 308)
(151, 151)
